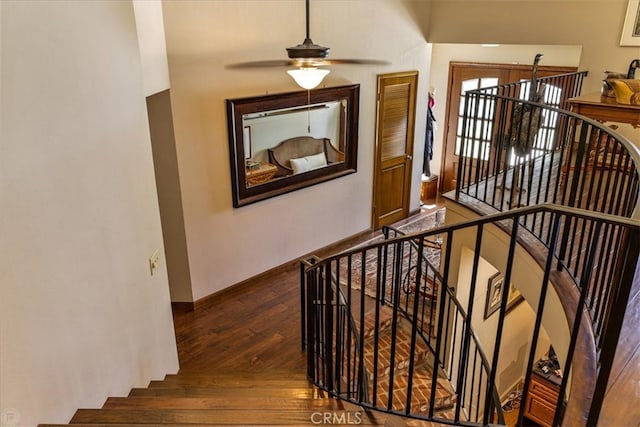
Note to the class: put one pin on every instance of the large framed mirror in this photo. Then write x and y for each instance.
(283, 142)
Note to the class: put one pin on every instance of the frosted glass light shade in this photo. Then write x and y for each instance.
(308, 78)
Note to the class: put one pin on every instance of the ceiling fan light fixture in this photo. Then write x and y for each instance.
(308, 78)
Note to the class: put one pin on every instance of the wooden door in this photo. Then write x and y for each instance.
(394, 147)
(469, 76)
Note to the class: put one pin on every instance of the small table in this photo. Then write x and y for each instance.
(258, 175)
(605, 110)
(542, 398)
(595, 107)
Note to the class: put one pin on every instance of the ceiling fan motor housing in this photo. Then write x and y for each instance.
(308, 49)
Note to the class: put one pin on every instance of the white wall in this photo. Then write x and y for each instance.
(228, 245)
(596, 25)
(81, 317)
(151, 40)
(518, 325)
(444, 53)
(527, 276)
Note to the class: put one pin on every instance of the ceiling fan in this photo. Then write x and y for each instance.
(306, 57)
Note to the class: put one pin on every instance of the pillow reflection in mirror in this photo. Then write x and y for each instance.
(307, 163)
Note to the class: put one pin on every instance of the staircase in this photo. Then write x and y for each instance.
(378, 361)
(231, 398)
(271, 398)
(286, 397)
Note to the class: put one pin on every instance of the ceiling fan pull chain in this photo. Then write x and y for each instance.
(308, 109)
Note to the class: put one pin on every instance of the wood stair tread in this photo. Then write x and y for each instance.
(240, 392)
(228, 402)
(241, 375)
(275, 416)
(206, 381)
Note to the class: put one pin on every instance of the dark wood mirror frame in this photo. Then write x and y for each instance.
(244, 194)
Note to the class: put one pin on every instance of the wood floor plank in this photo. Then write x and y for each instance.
(621, 408)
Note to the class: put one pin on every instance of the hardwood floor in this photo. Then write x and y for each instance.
(255, 327)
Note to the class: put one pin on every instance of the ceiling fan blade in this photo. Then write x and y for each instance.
(356, 61)
(262, 64)
(306, 55)
(304, 62)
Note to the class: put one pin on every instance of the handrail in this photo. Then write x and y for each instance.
(445, 353)
(343, 301)
(450, 297)
(502, 107)
(532, 170)
(574, 161)
(457, 314)
(567, 159)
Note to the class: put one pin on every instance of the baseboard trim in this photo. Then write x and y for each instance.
(414, 212)
(224, 294)
(182, 306)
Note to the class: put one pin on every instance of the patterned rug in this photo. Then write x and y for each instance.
(353, 266)
(413, 225)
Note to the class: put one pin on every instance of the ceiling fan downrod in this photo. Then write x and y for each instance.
(308, 49)
(307, 20)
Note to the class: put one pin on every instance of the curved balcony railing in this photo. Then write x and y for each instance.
(454, 350)
(533, 153)
(398, 275)
(563, 187)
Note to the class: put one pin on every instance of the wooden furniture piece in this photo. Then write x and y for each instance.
(542, 397)
(302, 146)
(429, 190)
(605, 109)
(263, 173)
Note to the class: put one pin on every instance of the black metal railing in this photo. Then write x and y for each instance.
(400, 277)
(393, 326)
(459, 362)
(472, 388)
(574, 162)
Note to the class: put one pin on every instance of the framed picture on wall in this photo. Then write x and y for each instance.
(631, 28)
(495, 287)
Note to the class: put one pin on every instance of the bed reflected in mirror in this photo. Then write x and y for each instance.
(290, 141)
(283, 142)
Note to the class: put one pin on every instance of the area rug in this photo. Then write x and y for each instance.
(352, 267)
(414, 225)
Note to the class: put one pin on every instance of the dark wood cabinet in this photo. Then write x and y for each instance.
(594, 106)
(542, 397)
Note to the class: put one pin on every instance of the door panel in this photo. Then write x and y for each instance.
(461, 80)
(392, 179)
(394, 147)
(468, 76)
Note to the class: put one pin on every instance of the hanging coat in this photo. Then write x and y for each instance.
(428, 140)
